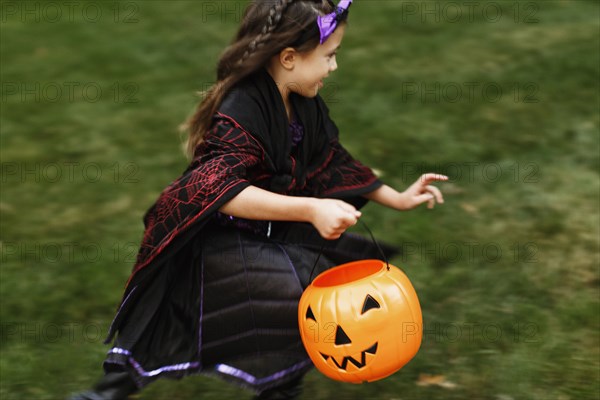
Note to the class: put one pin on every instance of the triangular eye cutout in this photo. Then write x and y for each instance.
(372, 349)
(341, 337)
(310, 315)
(369, 304)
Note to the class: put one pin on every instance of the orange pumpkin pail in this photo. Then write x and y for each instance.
(360, 321)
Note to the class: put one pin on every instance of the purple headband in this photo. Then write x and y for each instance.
(328, 23)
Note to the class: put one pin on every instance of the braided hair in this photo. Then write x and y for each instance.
(275, 14)
(267, 27)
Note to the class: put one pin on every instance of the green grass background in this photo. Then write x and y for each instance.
(507, 270)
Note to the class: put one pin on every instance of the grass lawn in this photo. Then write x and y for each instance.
(503, 96)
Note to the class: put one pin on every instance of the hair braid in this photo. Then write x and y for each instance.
(275, 14)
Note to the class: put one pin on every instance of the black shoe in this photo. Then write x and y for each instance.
(113, 386)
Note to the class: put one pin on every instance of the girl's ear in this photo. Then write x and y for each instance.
(288, 57)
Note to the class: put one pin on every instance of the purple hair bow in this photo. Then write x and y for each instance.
(328, 23)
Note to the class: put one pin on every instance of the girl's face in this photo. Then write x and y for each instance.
(311, 68)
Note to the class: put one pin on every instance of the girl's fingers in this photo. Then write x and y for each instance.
(422, 198)
(426, 179)
(436, 192)
(431, 203)
(348, 222)
(433, 194)
(349, 208)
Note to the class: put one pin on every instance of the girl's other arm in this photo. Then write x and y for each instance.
(330, 217)
(419, 192)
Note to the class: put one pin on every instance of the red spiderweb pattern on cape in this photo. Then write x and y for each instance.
(223, 160)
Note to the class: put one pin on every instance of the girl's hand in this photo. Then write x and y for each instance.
(421, 191)
(332, 217)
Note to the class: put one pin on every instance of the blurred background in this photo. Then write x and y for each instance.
(503, 96)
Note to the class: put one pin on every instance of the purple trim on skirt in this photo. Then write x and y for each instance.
(252, 380)
(222, 368)
(140, 370)
(166, 368)
(118, 350)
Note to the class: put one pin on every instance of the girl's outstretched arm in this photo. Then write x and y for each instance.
(419, 192)
(330, 217)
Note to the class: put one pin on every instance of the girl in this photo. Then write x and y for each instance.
(229, 246)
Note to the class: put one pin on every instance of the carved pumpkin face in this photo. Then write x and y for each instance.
(360, 321)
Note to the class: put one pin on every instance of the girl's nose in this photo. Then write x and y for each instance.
(332, 65)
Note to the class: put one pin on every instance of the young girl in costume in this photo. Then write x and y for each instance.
(229, 246)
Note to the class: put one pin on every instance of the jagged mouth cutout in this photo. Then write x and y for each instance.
(349, 359)
(341, 339)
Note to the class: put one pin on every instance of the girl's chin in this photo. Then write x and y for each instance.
(310, 93)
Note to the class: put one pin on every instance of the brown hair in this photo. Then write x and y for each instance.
(267, 27)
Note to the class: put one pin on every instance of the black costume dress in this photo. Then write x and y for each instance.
(215, 294)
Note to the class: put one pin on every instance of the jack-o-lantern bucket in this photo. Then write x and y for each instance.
(360, 321)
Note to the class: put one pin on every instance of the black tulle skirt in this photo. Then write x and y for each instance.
(226, 304)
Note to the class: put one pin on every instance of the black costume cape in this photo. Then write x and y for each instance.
(249, 144)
